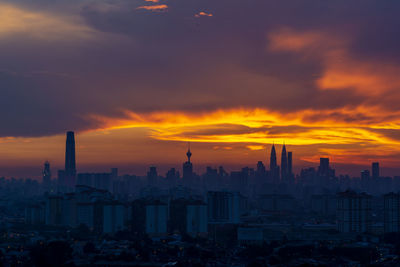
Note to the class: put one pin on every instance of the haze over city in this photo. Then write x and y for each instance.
(199, 133)
(137, 80)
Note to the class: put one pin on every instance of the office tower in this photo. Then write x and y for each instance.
(323, 169)
(375, 170)
(188, 167)
(274, 168)
(152, 176)
(290, 164)
(67, 177)
(70, 164)
(46, 176)
(284, 164)
(353, 212)
(392, 212)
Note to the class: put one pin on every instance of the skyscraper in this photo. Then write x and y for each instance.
(70, 164)
(46, 176)
(375, 170)
(284, 164)
(272, 159)
(274, 169)
(67, 177)
(290, 163)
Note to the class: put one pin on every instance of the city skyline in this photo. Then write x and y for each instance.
(299, 76)
(280, 170)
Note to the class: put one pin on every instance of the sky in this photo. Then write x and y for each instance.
(139, 79)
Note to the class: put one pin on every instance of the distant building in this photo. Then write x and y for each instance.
(187, 168)
(152, 176)
(67, 177)
(46, 177)
(114, 217)
(188, 216)
(54, 210)
(290, 164)
(284, 165)
(225, 207)
(273, 166)
(375, 170)
(392, 212)
(354, 212)
(156, 218)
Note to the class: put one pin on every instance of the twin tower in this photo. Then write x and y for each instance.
(285, 174)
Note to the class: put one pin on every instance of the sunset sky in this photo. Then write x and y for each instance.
(139, 79)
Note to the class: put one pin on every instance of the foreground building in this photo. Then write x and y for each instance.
(353, 212)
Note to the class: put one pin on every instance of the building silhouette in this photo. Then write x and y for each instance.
(375, 170)
(188, 168)
(284, 164)
(67, 177)
(273, 166)
(46, 175)
(392, 212)
(290, 164)
(70, 163)
(353, 212)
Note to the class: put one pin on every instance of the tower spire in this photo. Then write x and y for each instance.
(188, 153)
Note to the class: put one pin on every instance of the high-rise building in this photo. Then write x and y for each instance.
(392, 212)
(290, 163)
(273, 166)
(353, 212)
(46, 176)
(70, 163)
(284, 164)
(67, 177)
(323, 166)
(152, 176)
(375, 170)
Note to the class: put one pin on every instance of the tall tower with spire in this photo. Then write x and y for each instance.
(188, 166)
(273, 166)
(284, 164)
(70, 163)
(272, 159)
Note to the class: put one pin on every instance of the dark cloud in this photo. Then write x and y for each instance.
(146, 61)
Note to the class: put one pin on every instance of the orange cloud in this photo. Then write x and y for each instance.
(340, 70)
(262, 126)
(203, 14)
(154, 8)
(152, 1)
